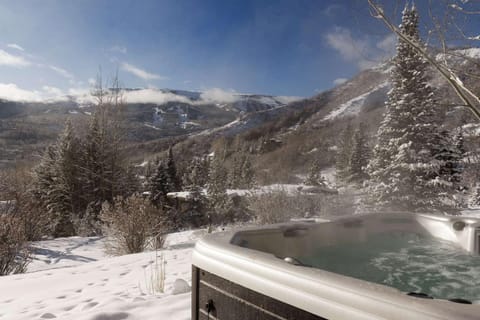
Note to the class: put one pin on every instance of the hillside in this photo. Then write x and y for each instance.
(312, 129)
(284, 133)
(150, 114)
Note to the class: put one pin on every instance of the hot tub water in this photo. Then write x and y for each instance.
(406, 261)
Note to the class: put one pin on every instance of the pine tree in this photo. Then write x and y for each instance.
(235, 174)
(171, 169)
(55, 183)
(314, 177)
(94, 167)
(193, 182)
(458, 161)
(160, 184)
(344, 153)
(403, 170)
(219, 202)
(247, 174)
(359, 157)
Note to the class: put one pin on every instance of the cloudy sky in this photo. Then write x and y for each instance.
(294, 48)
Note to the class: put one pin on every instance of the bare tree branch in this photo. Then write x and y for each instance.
(471, 100)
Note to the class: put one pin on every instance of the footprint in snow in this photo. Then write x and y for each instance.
(48, 315)
(113, 316)
(68, 308)
(138, 299)
(89, 305)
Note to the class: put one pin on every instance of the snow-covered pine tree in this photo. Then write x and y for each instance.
(403, 172)
(234, 175)
(458, 161)
(94, 165)
(171, 169)
(55, 181)
(314, 177)
(219, 202)
(193, 181)
(359, 156)
(160, 184)
(247, 173)
(450, 154)
(344, 152)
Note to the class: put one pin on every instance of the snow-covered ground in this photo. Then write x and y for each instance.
(72, 278)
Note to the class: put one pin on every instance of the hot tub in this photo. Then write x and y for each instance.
(374, 266)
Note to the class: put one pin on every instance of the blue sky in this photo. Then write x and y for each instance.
(294, 48)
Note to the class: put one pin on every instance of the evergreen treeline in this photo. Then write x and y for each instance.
(76, 175)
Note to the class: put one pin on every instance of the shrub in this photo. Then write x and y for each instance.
(272, 207)
(15, 189)
(14, 254)
(130, 223)
(155, 280)
(280, 206)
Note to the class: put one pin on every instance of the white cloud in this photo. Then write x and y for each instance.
(332, 9)
(388, 44)
(15, 46)
(52, 91)
(288, 99)
(364, 52)
(11, 91)
(219, 95)
(82, 95)
(119, 49)
(152, 96)
(145, 75)
(339, 81)
(61, 71)
(7, 59)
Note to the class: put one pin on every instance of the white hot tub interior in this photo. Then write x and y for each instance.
(435, 255)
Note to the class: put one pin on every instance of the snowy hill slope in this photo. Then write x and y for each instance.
(354, 106)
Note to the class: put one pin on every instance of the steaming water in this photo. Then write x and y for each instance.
(406, 261)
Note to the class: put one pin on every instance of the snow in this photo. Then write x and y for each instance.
(180, 194)
(471, 130)
(353, 106)
(72, 278)
(471, 212)
(210, 131)
(143, 164)
(459, 56)
(472, 53)
(150, 126)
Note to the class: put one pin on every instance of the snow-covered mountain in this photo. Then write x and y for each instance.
(151, 114)
(154, 114)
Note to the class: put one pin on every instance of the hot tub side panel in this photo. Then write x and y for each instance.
(214, 297)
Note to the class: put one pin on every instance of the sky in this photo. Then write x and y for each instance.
(290, 48)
